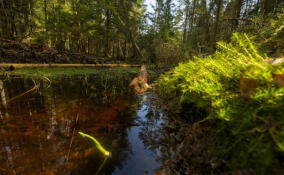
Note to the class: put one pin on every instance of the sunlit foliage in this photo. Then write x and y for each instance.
(250, 128)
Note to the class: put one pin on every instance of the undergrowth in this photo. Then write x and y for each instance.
(250, 130)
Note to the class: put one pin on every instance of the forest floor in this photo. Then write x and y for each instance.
(17, 52)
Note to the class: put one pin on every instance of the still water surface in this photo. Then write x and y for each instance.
(39, 131)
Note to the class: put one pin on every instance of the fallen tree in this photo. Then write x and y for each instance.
(12, 66)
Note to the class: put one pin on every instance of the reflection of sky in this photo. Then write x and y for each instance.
(142, 159)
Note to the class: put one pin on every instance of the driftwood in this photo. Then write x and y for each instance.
(139, 83)
(17, 66)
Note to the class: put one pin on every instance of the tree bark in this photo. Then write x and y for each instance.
(237, 12)
(268, 6)
(137, 53)
(45, 19)
(185, 20)
(219, 8)
(192, 20)
(107, 27)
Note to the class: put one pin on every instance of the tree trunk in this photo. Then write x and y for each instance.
(192, 20)
(107, 26)
(219, 8)
(88, 44)
(13, 22)
(268, 6)
(118, 48)
(237, 10)
(124, 50)
(136, 49)
(45, 19)
(185, 21)
(3, 94)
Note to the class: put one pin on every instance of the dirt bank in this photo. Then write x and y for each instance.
(16, 52)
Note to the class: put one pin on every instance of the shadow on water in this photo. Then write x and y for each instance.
(38, 132)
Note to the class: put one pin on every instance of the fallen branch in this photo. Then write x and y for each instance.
(17, 66)
(25, 93)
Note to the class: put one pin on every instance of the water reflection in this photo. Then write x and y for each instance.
(142, 159)
(40, 134)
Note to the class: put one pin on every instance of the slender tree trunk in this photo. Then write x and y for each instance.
(258, 6)
(205, 20)
(118, 49)
(88, 44)
(45, 19)
(136, 49)
(268, 6)
(107, 26)
(4, 20)
(155, 18)
(204, 12)
(219, 8)
(113, 50)
(185, 21)
(237, 12)
(3, 94)
(246, 11)
(13, 22)
(124, 50)
(192, 19)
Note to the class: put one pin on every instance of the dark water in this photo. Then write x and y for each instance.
(39, 131)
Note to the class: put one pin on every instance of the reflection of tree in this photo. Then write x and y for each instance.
(151, 124)
(181, 147)
(51, 113)
(160, 134)
(3, 94)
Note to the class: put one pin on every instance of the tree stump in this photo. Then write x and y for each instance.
(139, 83)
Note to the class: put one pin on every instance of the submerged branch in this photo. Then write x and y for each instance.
(98, 145)
(25, 93)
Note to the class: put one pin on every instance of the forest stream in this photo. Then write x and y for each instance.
(39, 131)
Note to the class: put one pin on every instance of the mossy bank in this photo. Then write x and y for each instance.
(238, 94)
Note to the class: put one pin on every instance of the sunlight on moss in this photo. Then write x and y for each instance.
(214, 82)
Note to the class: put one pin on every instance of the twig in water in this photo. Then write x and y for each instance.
(25, 93)
(72, 137)
(98, 145)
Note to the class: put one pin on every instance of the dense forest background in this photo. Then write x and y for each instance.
(125, 30)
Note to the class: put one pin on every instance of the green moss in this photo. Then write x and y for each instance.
(59, 72)
(250, 132)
